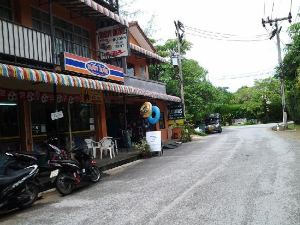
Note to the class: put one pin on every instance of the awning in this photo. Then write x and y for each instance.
(93, 9)
(34, 75)
(147, 53)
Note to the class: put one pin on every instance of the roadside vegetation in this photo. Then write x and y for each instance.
(260, 103)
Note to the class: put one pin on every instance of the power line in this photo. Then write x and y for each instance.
(219, 34)
(297, 16)
(246, 75)
(272, 9)
(211, 37)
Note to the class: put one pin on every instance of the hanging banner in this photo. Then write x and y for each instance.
(88, 66)
(86, 96)
(112, 41)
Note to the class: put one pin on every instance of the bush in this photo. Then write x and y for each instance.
(142, 147)
(186, 131)
(200, 133)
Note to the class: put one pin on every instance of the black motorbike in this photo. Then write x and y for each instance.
(74, 172)
(18, 184)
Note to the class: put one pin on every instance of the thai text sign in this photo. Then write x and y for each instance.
(176, 111)
(112, 41)
(88, 66)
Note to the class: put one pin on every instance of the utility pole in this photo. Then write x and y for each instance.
(179, 33)
(276, 32)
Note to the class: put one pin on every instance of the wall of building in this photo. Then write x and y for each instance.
(25, 125)
(163, 108)
(139, 62)
(132, 40)
(24, 16)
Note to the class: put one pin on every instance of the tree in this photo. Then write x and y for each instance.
(200, 95)
(262, 101)
(291, 70)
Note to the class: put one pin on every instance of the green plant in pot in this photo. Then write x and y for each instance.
(143, 148)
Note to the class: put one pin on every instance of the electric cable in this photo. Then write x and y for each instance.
(224, 39)
(272, 10)
(219, 34)
(238, 76)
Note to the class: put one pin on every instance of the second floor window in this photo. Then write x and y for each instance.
(143, 71)
(130, 69)
(68, 37)
(5, 10)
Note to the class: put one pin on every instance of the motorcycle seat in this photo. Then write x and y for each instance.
(16, 175)
(66, 161)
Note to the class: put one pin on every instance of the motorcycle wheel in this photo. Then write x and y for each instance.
(95, 174)
(64, 185)
(31, 192)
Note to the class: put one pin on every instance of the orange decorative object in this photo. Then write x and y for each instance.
(146, 110)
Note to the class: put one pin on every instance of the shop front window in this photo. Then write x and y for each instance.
(42, 123)
(82, 117)
(9, 127)
(162, 121)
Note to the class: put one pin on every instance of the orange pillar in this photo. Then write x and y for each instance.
(26, 127)
(100, 116)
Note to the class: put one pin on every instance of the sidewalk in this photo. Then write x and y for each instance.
(120, 159)
(292, 134)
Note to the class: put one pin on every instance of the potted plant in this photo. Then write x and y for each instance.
(143, 147)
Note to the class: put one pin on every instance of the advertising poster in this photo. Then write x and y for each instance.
(113, 41)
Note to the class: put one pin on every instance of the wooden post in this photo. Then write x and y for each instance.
(100, 119)
(70, 126)
(26, 126)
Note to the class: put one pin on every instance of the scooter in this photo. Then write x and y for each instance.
(74, 172)
(18, 188)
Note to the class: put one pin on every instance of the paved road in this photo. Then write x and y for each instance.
(247, 175)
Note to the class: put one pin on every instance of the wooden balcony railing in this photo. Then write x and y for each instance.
(30, 44)
(23, 42)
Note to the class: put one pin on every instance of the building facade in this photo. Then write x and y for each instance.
(61, 74)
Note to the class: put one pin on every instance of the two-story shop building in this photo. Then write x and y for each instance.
(74, 69)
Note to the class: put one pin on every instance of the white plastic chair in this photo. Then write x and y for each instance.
(115, 145)
(107, 144)
(92, 145)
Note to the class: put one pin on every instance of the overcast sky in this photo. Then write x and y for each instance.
(229, 63)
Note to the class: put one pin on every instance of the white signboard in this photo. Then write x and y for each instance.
(153, 139)
(57, 115)
(112, 41)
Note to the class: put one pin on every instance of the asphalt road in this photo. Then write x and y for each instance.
(247, 175)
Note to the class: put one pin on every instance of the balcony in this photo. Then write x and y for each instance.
(22, 42)
(112, 5)
(149, 85)
(28, 46)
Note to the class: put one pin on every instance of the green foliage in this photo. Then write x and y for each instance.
(186, 132)
(200, 95)
(291, 62)
(200, 133)
(143, 147)
(291, 70)
(260, 102)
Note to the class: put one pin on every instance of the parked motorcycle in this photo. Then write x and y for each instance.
(18, 187)
(74, 172)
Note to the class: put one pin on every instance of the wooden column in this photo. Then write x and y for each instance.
(26, 126)
(100, 119)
